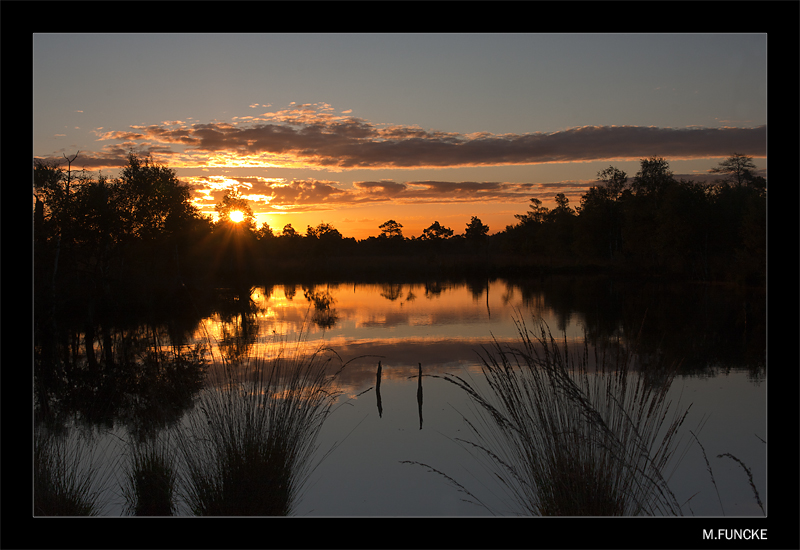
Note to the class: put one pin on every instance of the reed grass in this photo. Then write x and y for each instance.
(749, 477)
(150, 485)
(564, 439)
(249, 447)
(68, 479)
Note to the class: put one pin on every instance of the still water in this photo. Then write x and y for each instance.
(716, 333)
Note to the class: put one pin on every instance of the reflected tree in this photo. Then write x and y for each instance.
(324, 316)
(238, 323)
(391, 291)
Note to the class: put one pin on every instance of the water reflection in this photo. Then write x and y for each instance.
(136, 366)
(134, 376)
(324, 315)
(141, 371)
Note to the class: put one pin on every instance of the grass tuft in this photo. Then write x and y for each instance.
(66, 478)
(249, 446)
(151, 478)
(567, 440)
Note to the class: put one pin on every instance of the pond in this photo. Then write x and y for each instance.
(397, 418)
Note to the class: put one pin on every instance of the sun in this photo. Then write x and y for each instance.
(237, 216)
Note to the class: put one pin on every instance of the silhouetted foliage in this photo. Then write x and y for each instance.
(435, 232)
(142, 227)
(151, 201)
(653, 178)
(476, 229)
(739, 169)
(391, 230)
(234, 202)
(657, 225)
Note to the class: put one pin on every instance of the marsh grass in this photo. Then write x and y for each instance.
(68, 478)
(749, 477)
(564, 439)
(250, 445)
(150, 484)
(741, 463)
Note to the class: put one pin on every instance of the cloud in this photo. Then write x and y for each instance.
(313, 136)
(385, 188)
(275, 194)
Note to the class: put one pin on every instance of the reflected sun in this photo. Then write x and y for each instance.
(237, 216)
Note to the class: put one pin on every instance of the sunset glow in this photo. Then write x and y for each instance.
(392, 274)
(471, 125)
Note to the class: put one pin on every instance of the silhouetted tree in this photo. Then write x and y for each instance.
(653, 177)
(233, 201)
(152, 202)
(476, 230)
(562, 207)
(536, 213)
(599, 224)
(324, 231)
(682, 229)
(614, 180)
(323, 240)
(436, 232)
(265, 232)
(528, 235)
(640, 212)
(752, 254)
(288, 242)
(52, 197)
(391, 230)
(739, 230)
(233, 247)
(289, 231)
(560, 227)
(739, 169)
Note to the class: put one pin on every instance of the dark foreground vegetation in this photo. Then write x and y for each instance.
(569, 434)
(246, 448)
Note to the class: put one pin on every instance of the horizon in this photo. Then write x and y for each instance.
(355, 130)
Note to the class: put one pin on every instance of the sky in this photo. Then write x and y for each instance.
(353, 130)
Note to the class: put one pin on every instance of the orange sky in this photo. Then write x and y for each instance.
(355, 130)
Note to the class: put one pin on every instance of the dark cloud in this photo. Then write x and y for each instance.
(307, 192)
(324, 194)
(384, 187)
(112, 156)
(305, 136)
(355, 143)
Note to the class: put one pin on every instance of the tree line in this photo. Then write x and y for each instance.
(141, 228)
(657, 224)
